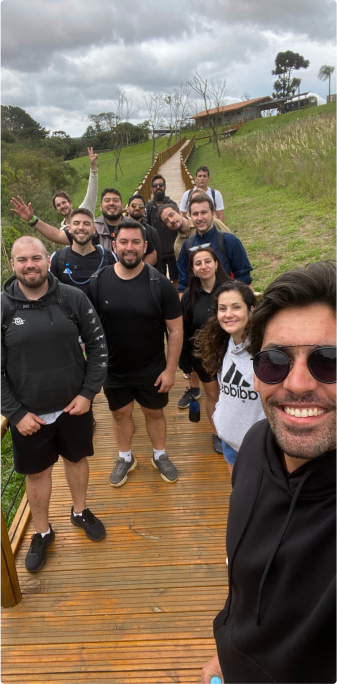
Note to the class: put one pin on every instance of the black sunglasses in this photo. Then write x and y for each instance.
(273, 365)
(158, 185)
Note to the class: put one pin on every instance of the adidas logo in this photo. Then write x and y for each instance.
(234, 385)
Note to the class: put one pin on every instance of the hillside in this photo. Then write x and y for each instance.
(273, 122)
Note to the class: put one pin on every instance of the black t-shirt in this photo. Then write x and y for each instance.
(81, 267)
(133, 326)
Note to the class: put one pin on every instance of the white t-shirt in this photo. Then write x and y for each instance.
(218, 199)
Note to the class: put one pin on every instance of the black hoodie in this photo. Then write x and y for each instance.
(278, 624)
(42, 363)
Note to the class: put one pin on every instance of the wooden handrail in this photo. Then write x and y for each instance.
(184, 156)
(10, 588)
(144, 188)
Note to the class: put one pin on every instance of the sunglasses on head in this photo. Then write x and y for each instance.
(273, 365)
(193, 249)
(138, 206)
(158, 185)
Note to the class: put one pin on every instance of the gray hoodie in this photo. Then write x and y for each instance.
(239, 405)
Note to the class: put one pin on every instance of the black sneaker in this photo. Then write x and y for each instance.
(217, 445)
(121, 470)
(168, 471)
(184, 402)
(36, 556)
(93, 527)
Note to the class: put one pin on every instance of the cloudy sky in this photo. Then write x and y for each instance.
(62, 59)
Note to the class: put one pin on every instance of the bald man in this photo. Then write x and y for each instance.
(48, 388)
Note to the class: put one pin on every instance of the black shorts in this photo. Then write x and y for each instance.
(141, 389)
(198, 368)
(171, 264)
(69, 436)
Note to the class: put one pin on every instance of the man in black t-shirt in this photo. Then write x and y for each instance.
(134, 311)
(74, 265)
(135, 208)
(166, 236)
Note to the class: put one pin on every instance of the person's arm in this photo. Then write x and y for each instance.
(211, 669)
(151, 258)
(182, 264)
(93, 337)
(220, 214)
(26, 213)
(90, 199)
(238, 259)
(183, 203)
(219, 206)
(150, 254)
(175, 340)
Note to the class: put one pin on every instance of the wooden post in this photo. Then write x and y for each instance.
(10, 588)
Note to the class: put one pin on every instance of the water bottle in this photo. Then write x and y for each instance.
(215, 680)
(194, 412)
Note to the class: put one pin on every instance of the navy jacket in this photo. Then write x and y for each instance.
(239, 263)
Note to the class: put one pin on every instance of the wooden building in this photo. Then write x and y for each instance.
(239, 112)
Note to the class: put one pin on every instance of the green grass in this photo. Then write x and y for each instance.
(6, 467)
(279, 228)
(135, 162)
(269, 122)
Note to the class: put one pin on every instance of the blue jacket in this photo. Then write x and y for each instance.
(239, 263)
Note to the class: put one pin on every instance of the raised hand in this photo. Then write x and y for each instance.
(93, 158)
(23, 210)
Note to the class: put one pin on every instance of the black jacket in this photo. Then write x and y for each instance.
(201, 313)
(156, 243)
(167, 236)
(278, 624)
(42, 363)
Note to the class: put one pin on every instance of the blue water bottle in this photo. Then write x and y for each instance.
(215, 680)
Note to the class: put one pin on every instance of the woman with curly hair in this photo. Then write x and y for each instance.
(205, 275)
(222, 346)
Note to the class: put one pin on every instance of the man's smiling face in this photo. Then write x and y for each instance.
(288, 403)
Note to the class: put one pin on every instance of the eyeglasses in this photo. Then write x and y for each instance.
(158, 185)
(272, 366)
(193, 249)
(138, 206)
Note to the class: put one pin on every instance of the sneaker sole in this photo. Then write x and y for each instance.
(161, 474)
(126, 476)
(182, 408)
(45, 558)
(73, 520)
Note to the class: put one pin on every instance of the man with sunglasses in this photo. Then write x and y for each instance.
(279, 623)
(166, 236)
(135, 208)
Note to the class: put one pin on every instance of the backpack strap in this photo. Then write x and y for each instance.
(61, 257)
(188, 244)
(155, 286)
(213, 196)
(221, 243)
(93, 287)
(67, 303)
(7, 310)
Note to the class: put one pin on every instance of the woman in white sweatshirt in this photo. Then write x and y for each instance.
(222, 345)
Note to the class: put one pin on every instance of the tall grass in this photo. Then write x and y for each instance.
(301, 155)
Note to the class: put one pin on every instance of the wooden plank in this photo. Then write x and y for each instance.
(10, 588)
(19, 524)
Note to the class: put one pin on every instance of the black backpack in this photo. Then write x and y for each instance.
(155, 286)
(63, 297)
(62, 256)
(221, 244)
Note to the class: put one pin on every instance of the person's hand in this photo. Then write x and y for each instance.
(78, 406)
(93, 158)
(23, 210)
(211, 669)
(29, 424)
(165, 380)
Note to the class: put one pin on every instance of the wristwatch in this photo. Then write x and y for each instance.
(34, 221)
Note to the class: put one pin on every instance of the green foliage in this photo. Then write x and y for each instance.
(280, 120)
(16, 121)
(15, 481)
(285, 64)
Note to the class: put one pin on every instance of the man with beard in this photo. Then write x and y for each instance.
(136, 209)
(166, 236)
(74, 265)
(47, 387)
(112, 209)
(62, 202)
(279, 622)
(136, 304)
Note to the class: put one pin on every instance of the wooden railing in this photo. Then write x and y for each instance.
(10, 588)
(144, 188)
(184, 157)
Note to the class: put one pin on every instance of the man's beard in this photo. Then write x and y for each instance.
(301, 441)
(113, 215)
(84, 241)
(130, 264)
(159, 195)
(136, 215)
(28, 283)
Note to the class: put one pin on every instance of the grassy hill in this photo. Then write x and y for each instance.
(278, 189)
(135, 161)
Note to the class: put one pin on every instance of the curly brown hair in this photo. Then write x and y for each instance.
(211, 341)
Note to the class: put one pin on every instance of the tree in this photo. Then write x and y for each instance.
(245, 96)
(296, 83)
(285, 64)
(16, 121)
(156, 105)
(218, 92)
(201, 87)
(325, 73)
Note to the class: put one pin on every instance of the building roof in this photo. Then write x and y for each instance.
(233, 107)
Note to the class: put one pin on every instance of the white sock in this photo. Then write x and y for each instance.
(157, 453)
(77, 514)
(126, 455)
(43, 534)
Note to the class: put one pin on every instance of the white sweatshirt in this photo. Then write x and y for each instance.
(239, 405)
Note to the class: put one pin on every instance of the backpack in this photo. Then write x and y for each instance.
(192, 190)
(62, 260)
(63, 299)
(221, 244)
(155, 286)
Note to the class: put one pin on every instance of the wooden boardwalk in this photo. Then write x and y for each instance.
(136, 608)
(175, 186)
